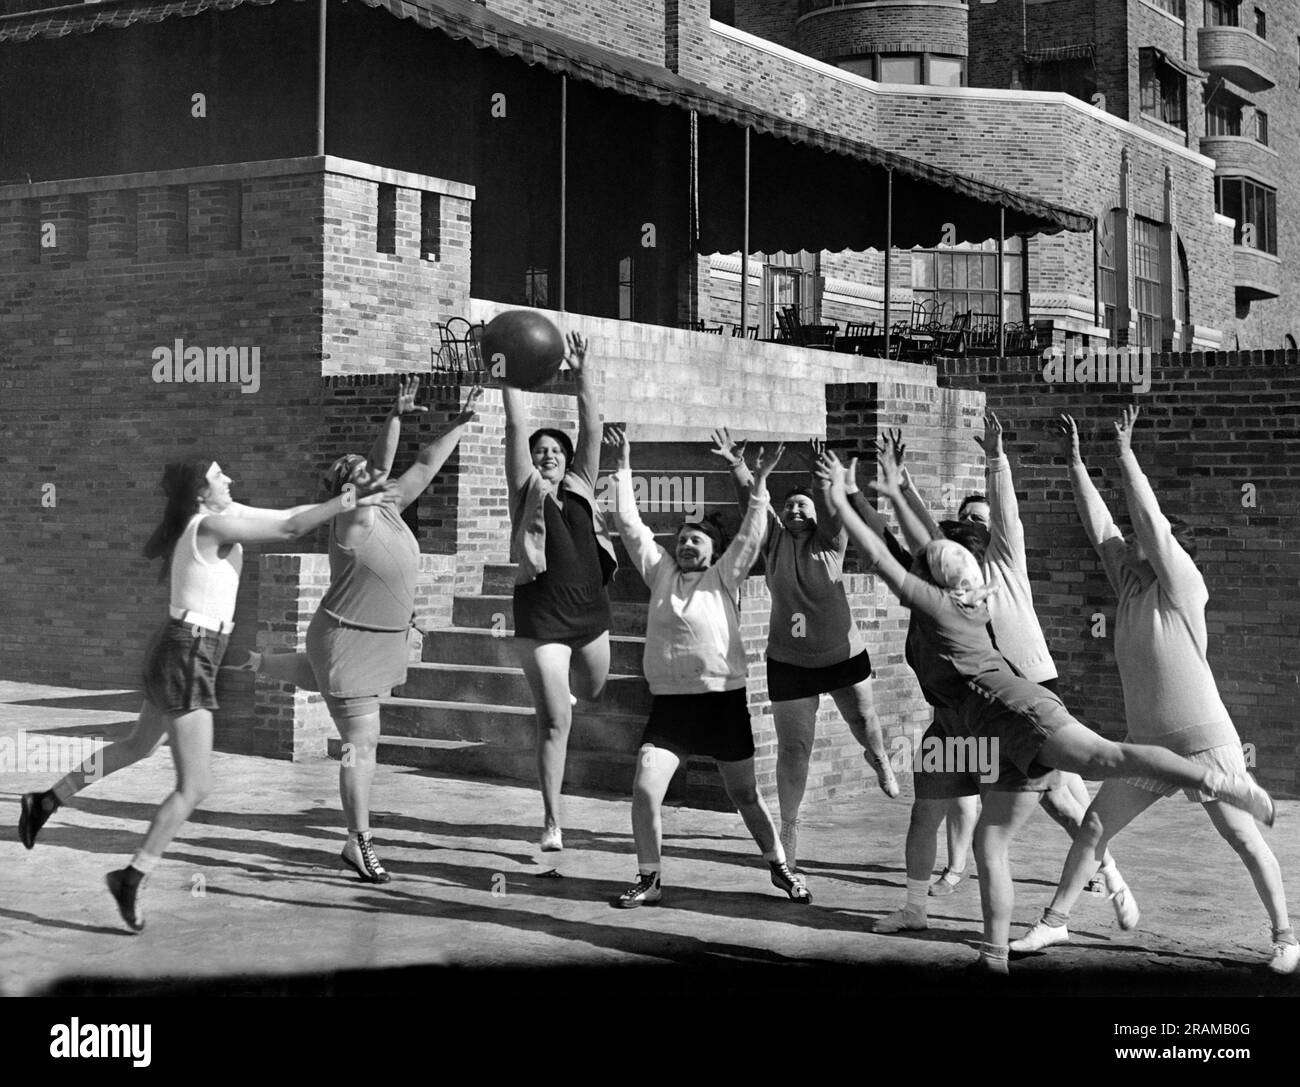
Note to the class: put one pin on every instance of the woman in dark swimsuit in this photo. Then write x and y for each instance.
(565, 559)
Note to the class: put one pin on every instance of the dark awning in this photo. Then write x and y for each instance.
(1050, 54)
(465, 20)
(1171, 61)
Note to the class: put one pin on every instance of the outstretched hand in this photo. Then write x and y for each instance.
(892, 443)
(767, 462)
(575, 354)
(890, 483)
(1067, 433)
(469, 412)
(407, 390)
(991, 441)
(830, 474)
(615, 436)
(1124, 430)
(730, 451)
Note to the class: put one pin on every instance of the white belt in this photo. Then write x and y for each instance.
(200, 620)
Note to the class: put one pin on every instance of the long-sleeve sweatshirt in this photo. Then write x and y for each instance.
(693, 643)
(1170, 697)
(1015, 622)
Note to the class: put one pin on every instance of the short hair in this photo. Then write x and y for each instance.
(561, 439)
(805, 491)
(711, 526)
(969, 499)
(973, 536)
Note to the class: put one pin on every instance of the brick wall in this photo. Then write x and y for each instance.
(1211, 425)
(634, 27)
(833, 33)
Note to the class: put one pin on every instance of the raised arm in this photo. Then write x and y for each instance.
(390, 432)
(586, 454)
(519, 459)
(1006, 534)
(890, 485)
(829, 526)
(1098, 524)
(1174, 568)
(645, 553)
(224, 528)
(741, 554)
(434, 455)
(734, 454)
(870, 515)
(871, 546)
(894, 438)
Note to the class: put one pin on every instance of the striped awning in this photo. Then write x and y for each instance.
(1053, 53)
(471, 22)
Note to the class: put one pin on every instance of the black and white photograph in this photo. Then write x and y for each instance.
(637, 524)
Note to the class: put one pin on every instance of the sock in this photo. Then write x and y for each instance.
(143, 863)
(956, 871)
(62, 792)
(1054, 918)
(649, 869)
(1284, 935)
(353, 832)
(995, 953)
(918, 894)
(775, 856)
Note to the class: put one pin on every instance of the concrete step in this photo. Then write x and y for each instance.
(507, 686)
(511, 726)
(495, 612)
(464, 645)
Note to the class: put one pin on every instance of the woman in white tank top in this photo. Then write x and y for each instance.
(200, 540)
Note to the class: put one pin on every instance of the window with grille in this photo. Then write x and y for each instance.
(1261, 127)
(965, 278)
(1106, 265)
(1223, 114)
(1253, 206)
(1148, 283)
(1222, 13)
(535, 287)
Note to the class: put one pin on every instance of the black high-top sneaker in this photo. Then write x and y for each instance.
(360, 853)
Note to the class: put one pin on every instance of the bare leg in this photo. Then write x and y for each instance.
(357, 768)
(857, 705)
(589, 668)
(654, 770)
(1117, 805)
(148, 733)
(191, 743)
(1001, 817)
(742, 787)
(962, 813)
(921, 849)
(546, 666)
(1240, 831)
(796, 729)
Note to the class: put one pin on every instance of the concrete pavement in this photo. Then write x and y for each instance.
(252, 887)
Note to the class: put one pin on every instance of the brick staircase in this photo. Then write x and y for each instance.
(466, 709)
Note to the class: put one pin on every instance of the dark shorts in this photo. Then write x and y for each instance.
(1022, 728)
(787, 682)
(715, 724)
(180, 667)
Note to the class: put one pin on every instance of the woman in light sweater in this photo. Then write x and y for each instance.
(814, 646)
(695, 666)
(1170, 696)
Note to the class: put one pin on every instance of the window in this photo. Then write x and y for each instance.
(626, 289)
(905, 68)
(965, 278)
(1261, 23)
(1174, 7)
(1253, 206)
(789, 281)
(945, 71)
(1223, 114)
(1164, 90)
(863, 66)
(1106, 265)
(1182, 298)
(1076, 76)
(535, 287)
(1147, 281)
(1288, 342)
(1261, 127)
(1222, 12)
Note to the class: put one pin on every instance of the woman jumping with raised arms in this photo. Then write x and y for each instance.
(1170, 697)
(565, 557)
(958, 667)
(695, 666)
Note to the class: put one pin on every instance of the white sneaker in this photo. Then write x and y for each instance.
(904, 920)
(1040, 936)
(1285, 957)
(1121, 898)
